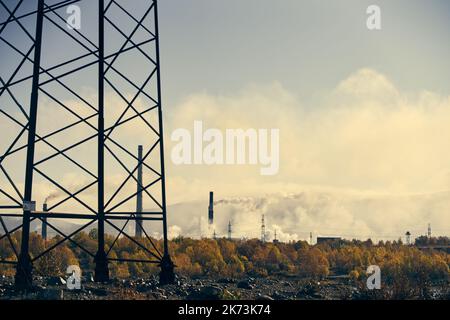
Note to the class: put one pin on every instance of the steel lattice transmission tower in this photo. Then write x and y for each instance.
(95, 97)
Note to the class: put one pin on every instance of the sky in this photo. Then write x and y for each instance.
(362, 114)
(307, 46)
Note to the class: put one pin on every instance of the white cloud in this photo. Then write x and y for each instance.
(364, 159)
(365, 138)
(367, 84)
(174, 231)
(364, 135)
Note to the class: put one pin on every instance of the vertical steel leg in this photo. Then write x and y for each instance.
(167, 275)
(101, 261)
(24, 277)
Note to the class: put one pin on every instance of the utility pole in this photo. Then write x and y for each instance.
(229, 230)
(429, 231)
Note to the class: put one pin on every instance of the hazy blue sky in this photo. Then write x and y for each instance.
(308, 46)
(220, 46)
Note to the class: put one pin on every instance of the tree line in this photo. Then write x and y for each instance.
(401, 265)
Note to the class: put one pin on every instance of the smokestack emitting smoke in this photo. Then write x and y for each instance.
(211, 208)
(44, 222)
(52, 196)
(138, 229)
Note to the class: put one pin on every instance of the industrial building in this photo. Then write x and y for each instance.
(321, 240)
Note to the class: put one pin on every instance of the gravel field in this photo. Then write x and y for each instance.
(337, 288)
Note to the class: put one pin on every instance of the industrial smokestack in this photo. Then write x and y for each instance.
(211, 208)
(44, 223)
(138, 229)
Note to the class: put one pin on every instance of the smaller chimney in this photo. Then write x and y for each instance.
(44, 222)
(139, 207)
(211, 208)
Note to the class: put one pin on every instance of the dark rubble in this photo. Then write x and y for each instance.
(249, 288)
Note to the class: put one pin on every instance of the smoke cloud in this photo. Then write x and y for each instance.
(363, 159)
(327, 213)
(52, 196)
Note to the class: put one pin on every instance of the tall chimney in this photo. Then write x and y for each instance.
(44, 223)
(211, 208)
(138, 229)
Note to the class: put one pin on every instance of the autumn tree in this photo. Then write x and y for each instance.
(312, 263)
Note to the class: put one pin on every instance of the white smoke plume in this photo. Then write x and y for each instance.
(327, 213)
(52, 196)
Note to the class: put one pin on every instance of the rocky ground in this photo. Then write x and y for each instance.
(198, 289)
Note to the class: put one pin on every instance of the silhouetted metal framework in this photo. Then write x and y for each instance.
(109, 57)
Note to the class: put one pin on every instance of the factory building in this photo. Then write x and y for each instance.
(321, 240)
